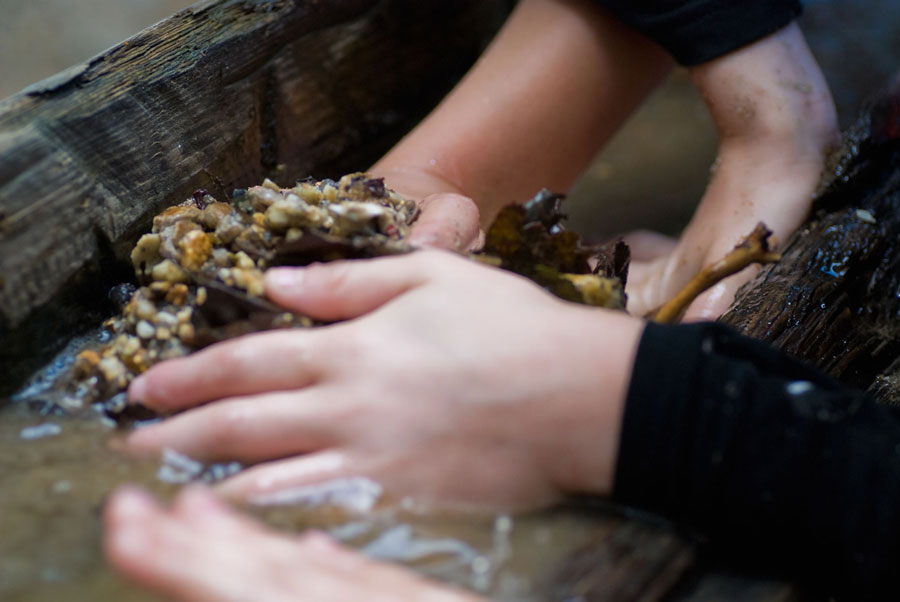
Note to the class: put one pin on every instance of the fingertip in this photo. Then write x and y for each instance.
(233, 489)
(137, 391)
(424, 238)
(149, 389)
(448, 221)
(129, 502)
(127, 512)
(143, 442)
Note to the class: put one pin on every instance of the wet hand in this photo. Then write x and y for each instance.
(448, 218)
(776, 123)
(451, 383)
(201, 551)
(750, 185)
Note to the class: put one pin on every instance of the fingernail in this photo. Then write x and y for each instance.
(284, 279)
(137, 392)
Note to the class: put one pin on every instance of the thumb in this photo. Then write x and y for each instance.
(342, 290)
(447, 221)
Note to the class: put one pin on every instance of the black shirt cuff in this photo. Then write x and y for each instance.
(770, 459)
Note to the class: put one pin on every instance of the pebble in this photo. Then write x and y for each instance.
(145, 329)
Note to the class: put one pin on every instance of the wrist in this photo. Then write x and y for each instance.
(415, 182)
(581, 440)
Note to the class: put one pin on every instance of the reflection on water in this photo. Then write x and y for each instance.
(53, 489)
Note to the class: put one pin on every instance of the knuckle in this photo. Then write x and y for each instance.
(227, 425)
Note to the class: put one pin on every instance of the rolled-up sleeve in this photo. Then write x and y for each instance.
(697, 31)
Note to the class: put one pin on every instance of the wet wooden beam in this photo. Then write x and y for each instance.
(217, 96)
(623, 560)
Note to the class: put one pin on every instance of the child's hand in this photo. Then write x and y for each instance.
(776, 123)
(447, 221)
(202, 551)
(450, 383)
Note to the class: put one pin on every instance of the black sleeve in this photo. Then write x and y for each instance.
(697, 31)
(768, 458)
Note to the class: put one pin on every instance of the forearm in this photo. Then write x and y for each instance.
(775, 118)
(776, 122)
(551, 88)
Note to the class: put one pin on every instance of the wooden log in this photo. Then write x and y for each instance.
(623, 560)
(217, 96)
(834, 298)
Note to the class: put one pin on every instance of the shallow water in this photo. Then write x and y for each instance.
(53, 488)
(52, 494)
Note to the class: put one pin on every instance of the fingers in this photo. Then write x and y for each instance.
(271, 361)
(347, 289)
(334, 476)
(199, 552)
(147, 545)
(646, 245)
(250, 429)
(716, 301)
(447, 221)
(189, 556)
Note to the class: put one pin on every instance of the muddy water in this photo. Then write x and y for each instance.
(55, 472)
(52, 492)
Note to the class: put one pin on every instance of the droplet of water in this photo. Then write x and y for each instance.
(799, 387)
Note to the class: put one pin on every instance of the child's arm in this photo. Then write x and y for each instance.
(775, 120)
(556, 83)
(547, 93)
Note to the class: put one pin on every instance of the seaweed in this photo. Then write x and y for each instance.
(530, 240)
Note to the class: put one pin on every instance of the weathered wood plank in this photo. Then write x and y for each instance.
(625, 560)
(218, 96)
